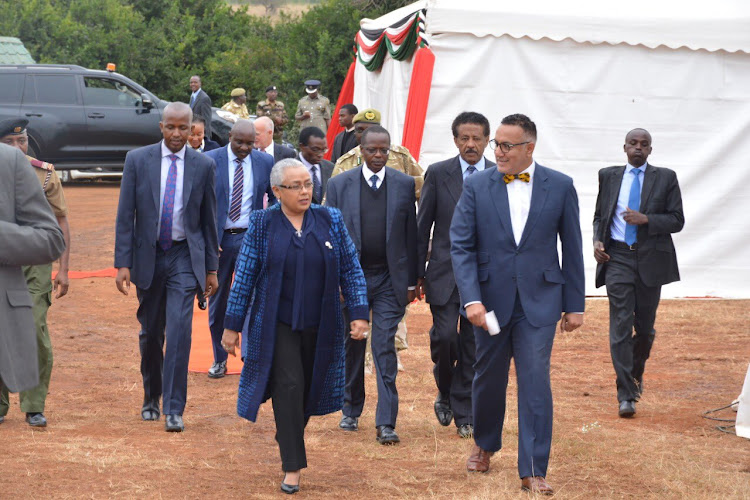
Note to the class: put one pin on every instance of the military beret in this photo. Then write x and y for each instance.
(270, 88)
(238, 92)
(368, 115)
(312, 83)
(13, 126)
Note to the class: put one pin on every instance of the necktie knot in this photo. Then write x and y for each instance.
(238, 161)
(524, 177)
(470, 170)
(374, 182)
(173, 158)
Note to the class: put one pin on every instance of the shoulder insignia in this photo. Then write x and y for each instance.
(40, 164)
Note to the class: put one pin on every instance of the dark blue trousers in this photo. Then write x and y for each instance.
(386, 314)
(166, 308)
(217, 305)
(531, 348)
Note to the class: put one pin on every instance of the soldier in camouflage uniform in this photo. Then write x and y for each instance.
(401, 159)
(39, 278)
(237, 104)
(313, 110)
(275, 110)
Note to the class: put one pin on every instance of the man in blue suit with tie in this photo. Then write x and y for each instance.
(504, 238)
(165, 237)
(242, 178)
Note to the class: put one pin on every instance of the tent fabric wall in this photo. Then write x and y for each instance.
(584, 97)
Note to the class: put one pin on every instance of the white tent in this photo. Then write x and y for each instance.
(587, 72)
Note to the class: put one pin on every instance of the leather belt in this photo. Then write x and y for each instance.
(236, 230)
(624, 246)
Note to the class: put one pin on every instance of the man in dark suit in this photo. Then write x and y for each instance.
(166, 237)
(452, 349)
(378, 208)
(312, 147)
(504, 238)
(638, 207)
(197, 138)
(242, 179)
(264, 130)
(345, 141)
(200, 103)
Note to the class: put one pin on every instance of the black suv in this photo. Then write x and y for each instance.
(82, 118)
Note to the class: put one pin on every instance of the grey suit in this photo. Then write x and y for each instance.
(452, 354)
(203, 107)
(30, 236)
(281, 152)
(387, 289)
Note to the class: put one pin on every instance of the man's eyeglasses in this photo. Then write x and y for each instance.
(298, 187)
(505, 147)
(373, 151)
(317, 150)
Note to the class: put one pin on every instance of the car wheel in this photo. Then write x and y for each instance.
(31, 151)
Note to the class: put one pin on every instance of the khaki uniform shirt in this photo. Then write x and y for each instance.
(320, 112)
(276, 112)
(51, 186)
(399, 158)
(238, 109)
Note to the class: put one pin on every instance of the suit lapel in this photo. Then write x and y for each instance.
(390, 204)
(614, 191)
(258, 189)
(538, 198)
(454, 181)
(154, 174)
(352, 187)
(649, 179)
(188, 176)
(499, 196)
(222, 175)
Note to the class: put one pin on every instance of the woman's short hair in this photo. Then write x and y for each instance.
(278, 170)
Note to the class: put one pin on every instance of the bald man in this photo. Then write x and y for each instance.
(165, 243)
(242, 178)
(264, 134)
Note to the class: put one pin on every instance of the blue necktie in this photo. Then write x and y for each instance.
(167, 206)
(192, 100)
(374, 181)
(470, 170)
(634, 203)
(316, 184)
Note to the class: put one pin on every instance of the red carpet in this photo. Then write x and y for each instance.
(201, 351)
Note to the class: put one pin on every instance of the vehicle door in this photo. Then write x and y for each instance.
(57, 125)
(10, 97)
(117, 119)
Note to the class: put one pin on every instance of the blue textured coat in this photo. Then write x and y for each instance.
(257, 285)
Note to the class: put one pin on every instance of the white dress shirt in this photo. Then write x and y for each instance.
(247, 190)
(617, 229)
(309, 167)
(178, 228)
(480, 165)
(519, 201)
(269, 149)
(367, 173)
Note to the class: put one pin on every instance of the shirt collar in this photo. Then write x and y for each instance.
(350, 129)
(630, 167)
(480, 165)
(196, 93)
(305, 162)
(269, 147)
(165, 151)
(367, 173)
(233, 156)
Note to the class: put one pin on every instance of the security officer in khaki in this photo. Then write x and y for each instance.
(237, 104)
(401, 159)
(275, 110)
(313, 110)
(39, 278)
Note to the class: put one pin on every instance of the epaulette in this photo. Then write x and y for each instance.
(400, 149)
(40, 164)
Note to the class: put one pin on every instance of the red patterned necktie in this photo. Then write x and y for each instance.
(235, 207)
(167, 206)
(525, 177)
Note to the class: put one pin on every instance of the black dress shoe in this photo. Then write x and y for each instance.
(150, 409)
(202, 302)
(289, 489)
(349, 423)
(465, 431)
(387, 435)
(36, 420)
(217, 370)
(627, 409)
(174, 423)
(443, 410)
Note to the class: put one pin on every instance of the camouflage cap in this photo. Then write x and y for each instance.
(239, 91)
(368, 115)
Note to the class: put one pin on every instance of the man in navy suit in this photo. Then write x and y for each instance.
(312, 147)
(264, 128)
(200, 103)
(378, 205)
(166, 238)
(451, 335)
(242, 178)
(504, 251)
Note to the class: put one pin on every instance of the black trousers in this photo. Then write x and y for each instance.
(453, 353)
(291, 373)
(632, 313)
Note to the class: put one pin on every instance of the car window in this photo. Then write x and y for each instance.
(108, 92)
(12, 85)
(55, 89)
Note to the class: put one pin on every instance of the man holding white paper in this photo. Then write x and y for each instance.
(504, 251)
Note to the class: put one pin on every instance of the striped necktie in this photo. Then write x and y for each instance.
(235, 206)
(167, 206)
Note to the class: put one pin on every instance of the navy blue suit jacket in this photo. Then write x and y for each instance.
(262, 164)
(342, 192)
(138, 214)
(490, 268)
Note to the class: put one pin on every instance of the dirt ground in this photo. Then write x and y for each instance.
(96, 445)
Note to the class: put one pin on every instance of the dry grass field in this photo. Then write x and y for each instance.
(96, 445)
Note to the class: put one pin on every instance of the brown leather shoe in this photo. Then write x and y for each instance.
(536, 485)
(479, 460)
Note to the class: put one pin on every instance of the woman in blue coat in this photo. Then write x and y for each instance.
(294, 260)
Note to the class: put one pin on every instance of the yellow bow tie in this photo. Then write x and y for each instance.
(525, 177)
